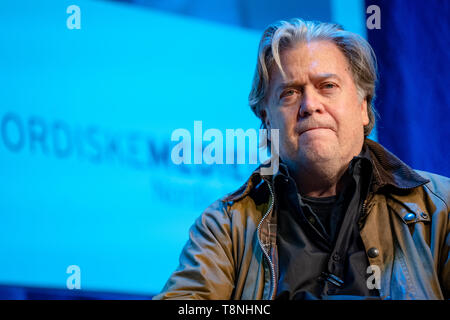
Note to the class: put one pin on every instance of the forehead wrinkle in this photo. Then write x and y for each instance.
(313, 56)
(310, 67)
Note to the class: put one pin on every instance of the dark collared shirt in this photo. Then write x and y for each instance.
(320, 251)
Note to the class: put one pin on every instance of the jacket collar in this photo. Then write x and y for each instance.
(388, 170)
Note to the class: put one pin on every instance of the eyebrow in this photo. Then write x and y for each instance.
(327, 75)
(320, 76)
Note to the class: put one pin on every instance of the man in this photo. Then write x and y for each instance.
(343, 218)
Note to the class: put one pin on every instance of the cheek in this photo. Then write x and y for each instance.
(287, 125)
(349, 116)
(350, 124)
(282, 119)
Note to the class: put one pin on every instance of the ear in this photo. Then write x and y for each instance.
(265, 118)
(364, 113)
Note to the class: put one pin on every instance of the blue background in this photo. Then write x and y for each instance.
(86, 122)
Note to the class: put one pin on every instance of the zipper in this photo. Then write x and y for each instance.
(363, 209)
(363, 214)
(272, 269)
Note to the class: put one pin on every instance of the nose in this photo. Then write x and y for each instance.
(309, 104)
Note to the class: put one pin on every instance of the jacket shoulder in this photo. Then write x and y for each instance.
(438, 185)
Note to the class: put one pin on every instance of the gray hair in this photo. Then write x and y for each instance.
(283, 35)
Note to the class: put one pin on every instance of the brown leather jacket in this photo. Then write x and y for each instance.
(232, 252)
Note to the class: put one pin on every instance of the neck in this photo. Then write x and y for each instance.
(319, 181)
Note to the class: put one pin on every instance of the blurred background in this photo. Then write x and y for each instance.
(87, 115)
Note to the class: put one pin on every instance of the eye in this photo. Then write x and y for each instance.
(288, 93)
(328, 85)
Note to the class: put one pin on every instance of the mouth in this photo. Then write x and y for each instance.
(312, 129)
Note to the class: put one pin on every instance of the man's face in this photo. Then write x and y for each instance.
(316, 107)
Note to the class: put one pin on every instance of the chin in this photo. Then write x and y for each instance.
(318, 151)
